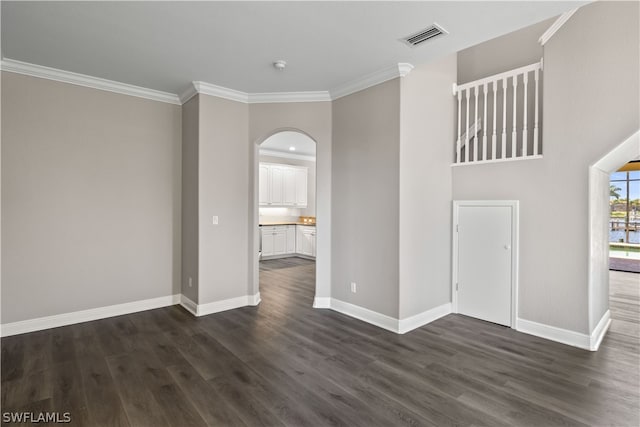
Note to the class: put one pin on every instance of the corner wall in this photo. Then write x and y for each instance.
(426, 153)
(365, 234)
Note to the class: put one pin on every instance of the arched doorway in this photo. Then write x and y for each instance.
(285, 210)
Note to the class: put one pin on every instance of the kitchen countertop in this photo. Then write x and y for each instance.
(286, 223)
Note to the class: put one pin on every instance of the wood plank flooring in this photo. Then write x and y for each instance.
(284, 363)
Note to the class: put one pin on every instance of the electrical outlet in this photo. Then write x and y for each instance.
(215, 220)
(190, 282)
(353, 287)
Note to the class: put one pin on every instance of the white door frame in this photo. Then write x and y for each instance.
(514, 205)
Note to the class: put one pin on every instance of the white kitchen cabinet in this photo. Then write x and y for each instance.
(278, 240)
(263, 185)
(306, 240)
(291, 239)
(300, 178)
(282, 185)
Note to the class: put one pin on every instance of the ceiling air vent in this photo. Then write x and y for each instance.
(428, 33)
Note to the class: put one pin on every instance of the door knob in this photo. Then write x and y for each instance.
(507, 247)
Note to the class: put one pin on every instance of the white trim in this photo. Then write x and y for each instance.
(553, 333)
(381, 320)
(189, 305)
(283, 97)
(254, 300)
(398, 70)
(508, 159)
(227, 304)
(421, 319)
(189, 93)
(322, 302)
(544, 38)
(599, 331)
(65, 319)
(497, 77)
(515, 249)
(286, 155)
(40, 71)
(221, 92)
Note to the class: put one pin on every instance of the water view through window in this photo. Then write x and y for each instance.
(624, 222)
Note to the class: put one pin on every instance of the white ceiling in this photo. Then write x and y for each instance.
(166, 45)
(283, 141)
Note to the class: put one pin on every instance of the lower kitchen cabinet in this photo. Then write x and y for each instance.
(306, 240)
(278, 240)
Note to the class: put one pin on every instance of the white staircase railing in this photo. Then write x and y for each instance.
(499, 115)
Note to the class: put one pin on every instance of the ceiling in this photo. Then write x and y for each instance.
(283, 141)
(166, 45)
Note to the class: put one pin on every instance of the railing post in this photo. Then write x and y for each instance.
(503, 154)
(493, 136)
(466, 138)
(484, 133)
(525, 150)
(475, 125)
(459, 125)
(535, 122)
(514, 133)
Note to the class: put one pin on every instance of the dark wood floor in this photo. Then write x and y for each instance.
(284, 363)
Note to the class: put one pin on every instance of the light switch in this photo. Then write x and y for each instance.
(215, 220)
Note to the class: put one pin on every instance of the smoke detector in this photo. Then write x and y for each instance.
(279, 65)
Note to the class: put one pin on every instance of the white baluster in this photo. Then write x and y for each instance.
(484, 134)
(475, 125)
(504, 118)
(466, 138)
(535, 123)
(495, 113)
(514, 134)
(459, 125)
(525, 150)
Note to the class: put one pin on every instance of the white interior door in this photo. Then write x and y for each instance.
(485, 263)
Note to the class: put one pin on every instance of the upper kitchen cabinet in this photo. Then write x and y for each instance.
(282, 185)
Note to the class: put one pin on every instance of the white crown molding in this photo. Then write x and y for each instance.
(19, 67)
(221, 92)
(283, 155)
(188, 94)
(283, 97)
(556, 26)
(398, 70)
(64, 319)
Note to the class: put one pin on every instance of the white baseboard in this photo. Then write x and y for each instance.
(381, 320)
(65, 319)
(322, 302)
(564, 336)
(599, 331)
(189, 305)
(421, 319)
(218, 306)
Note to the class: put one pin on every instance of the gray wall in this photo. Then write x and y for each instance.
(223, 156)
(314, 119)
(310, 210)
(190, 202)
(425, 186)
(90, 198)
(365, 234)
(591, 105)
